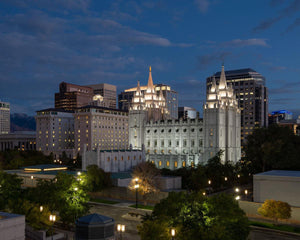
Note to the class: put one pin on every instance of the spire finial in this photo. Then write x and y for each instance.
(150, 69)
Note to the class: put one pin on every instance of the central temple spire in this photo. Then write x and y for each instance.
(222, 84)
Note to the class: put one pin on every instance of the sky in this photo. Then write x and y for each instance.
(43, 43)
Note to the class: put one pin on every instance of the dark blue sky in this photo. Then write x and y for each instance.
(43, 43)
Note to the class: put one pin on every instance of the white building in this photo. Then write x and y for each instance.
(55, 132)
(4, 118)
(112, 161)
(22, 141)
(101, 127)
(278, 185)
(174, 144)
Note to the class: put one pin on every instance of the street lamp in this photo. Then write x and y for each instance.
(225, 178)
(41, 208)
(52, 218)
(121, 229)
(136, 186)
(237, 190)
(209, 182)
(237, 198)
(173, 233)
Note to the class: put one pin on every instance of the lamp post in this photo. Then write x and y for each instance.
(121, 229)
(173, 233)
(136, 186)
(52, 218)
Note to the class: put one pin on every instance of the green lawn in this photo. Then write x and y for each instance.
(286, 228)
(143, 207)
(103, 201)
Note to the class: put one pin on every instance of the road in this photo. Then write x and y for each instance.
(265, 234)
(120, 213)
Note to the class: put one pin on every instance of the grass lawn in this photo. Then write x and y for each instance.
(143, 207)
(286, 228)
(103, 201)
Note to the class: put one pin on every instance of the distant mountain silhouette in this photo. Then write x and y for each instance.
(22, 122)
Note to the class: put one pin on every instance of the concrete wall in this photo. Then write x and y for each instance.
(12, 226)
(280, 188)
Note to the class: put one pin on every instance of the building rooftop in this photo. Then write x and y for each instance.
(94, 219)
(5, 215)
(54, 110)
(280, 173)
(101, 108)
(45, 167)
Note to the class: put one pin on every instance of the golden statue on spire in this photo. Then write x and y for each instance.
(150, 69)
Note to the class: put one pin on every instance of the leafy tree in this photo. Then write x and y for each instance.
(146, 173)
(34, 216)
(275, 209)
(10, 188)
(274, 147)
(97, 179)
(195, 216)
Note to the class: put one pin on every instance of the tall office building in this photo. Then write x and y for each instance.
(72, 96)
(4, 118)
(55, 132)
(108, 94)
(100, 127)
(252, 96)
(170, 97)
(187, 112)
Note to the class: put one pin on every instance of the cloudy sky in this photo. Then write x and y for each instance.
(43, 43)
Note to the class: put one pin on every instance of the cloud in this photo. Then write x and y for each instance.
(246, 42)
(202, 5)
(273, 67)
(294, 25)
(290, 10)
(208, 59)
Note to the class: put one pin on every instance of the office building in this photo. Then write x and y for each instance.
(55, 132)
(106, 94)
(181, 143)
(101, 127)
(170, 98)
(72, 96)
(4, 118)
(278, 116)
(21, 141)
(252, 96)
(187, 112)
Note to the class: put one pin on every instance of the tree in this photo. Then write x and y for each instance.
(97, 179)
(146, 173)
(10, 188)
(275, 209)
(195, 216)
(274, 147)
(34, 216)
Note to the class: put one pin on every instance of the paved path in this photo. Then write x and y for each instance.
(121, 213)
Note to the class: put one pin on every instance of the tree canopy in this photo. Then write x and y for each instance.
(195, 216)
(275, 209)
(274, 147)
(146, 173)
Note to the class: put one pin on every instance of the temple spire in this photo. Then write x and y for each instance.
(222, 83)
(150, 85)
(213, 85)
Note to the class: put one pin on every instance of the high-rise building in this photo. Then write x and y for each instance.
(99, 127)
(170, 98)
(187, 112)
(4, 118)
(108, 94)
(72, 96)
(55, 132)
(252, 96)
